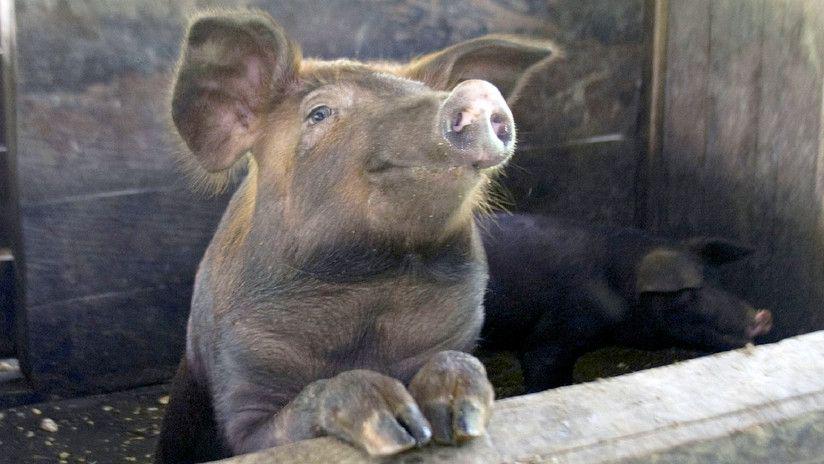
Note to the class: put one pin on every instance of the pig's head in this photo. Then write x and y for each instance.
(676, 302)
(395, 150)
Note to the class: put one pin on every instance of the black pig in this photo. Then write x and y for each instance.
(558, 290)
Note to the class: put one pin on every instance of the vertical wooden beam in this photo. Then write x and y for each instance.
(787, 157)
(652, 109)
(726, 195)
(11, 212)
(814, 10)
(683, 133)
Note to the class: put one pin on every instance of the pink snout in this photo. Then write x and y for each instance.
(478, 124)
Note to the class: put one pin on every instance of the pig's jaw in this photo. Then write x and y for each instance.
(436, 204)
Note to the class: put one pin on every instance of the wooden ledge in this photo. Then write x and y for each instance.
(772, 392)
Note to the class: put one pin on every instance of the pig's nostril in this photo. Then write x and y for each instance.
(501, 127)
(761, 324)
(763, 317)
(456, 122)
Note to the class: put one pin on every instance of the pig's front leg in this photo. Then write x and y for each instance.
(365, 408)
(455, 395)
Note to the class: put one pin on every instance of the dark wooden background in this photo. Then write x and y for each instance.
(743, 146)
(112, 233)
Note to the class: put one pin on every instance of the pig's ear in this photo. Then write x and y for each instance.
(666, 270)
(499, 59)
(716, 251)
(232, 68)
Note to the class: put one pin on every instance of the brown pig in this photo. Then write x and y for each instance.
(344, 285)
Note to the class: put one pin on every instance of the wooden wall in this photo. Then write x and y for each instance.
(111, 232)
(743, 146)
(577, 118)
(9, 221)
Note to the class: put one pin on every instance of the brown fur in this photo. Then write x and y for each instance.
(349, 247)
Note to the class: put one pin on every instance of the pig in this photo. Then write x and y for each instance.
(342, 291)
(558, 289)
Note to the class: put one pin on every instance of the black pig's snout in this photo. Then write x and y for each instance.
(478, 124)
(761, 323)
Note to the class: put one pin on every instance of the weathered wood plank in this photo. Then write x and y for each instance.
(110, 137)
(577, 180)
(733, 93)
(787, 153)
(741, 145)
(106, 342)
(633, 416)
(727, 198)
(576, 119)
(685, 103)
(814, 13)
(113, 243)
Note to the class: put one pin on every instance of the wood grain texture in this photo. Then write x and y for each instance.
(788, 143)
(638, 416)
(107, 342)
(577, 134)
(685, 121)
(743, 146)
(115, 242)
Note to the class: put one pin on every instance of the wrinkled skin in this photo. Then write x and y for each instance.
(344, 285)
(558, 290)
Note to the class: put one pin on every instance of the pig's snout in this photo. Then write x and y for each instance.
(478, 124)
(760, 324)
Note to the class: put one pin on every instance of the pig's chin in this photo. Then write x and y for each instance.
(448, 180)
(427, 170)
(713, 339)
(425, 203)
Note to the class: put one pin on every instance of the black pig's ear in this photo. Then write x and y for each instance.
(716, 251)
(499, 59)
(231, 69)
(667, 270)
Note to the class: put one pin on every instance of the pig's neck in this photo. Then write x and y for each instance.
(330, 247)
(364, 257)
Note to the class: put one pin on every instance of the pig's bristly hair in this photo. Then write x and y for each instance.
(210, 183)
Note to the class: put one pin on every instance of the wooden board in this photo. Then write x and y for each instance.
(115, 243)
(108, 342)
(658, 415)
(742, 151)
(577, 134)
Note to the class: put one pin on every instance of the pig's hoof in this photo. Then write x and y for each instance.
(455, 395)
(372, 411)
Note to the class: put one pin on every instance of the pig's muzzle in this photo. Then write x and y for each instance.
(477, 124)
(761, 323)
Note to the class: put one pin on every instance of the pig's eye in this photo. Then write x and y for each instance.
(319, 113)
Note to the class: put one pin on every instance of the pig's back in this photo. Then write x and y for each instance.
(536, 265)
